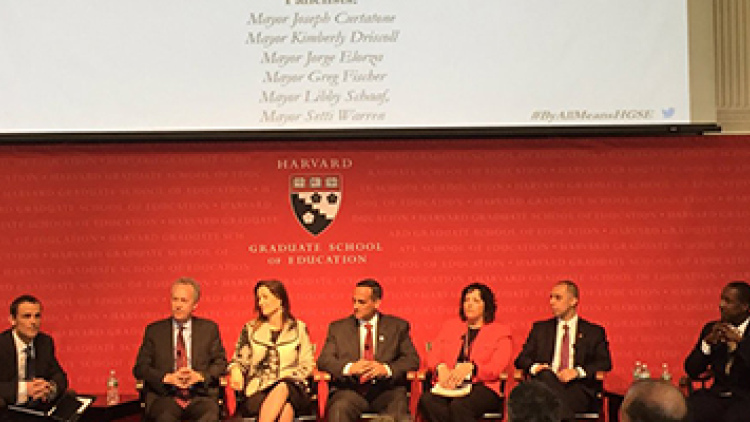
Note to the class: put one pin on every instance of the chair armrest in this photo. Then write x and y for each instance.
(319, 375)
(687, 384)
(418, 375)
(417, 379)
(227, 397)
(140, 387)
(600, 376)
(322, 379)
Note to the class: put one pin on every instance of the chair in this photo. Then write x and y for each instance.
(597, 410)
(688, 385)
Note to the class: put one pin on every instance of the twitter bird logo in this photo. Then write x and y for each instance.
(668, 112)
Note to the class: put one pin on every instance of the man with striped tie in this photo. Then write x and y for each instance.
(566, 352)
(180, 361)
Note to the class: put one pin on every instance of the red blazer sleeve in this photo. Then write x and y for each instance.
(446, 346)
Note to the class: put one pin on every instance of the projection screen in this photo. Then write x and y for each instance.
(278, 65)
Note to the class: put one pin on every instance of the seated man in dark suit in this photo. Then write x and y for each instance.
(566, 352)
(724, 348)
(30, 374)
(368, 355)
(180, 360)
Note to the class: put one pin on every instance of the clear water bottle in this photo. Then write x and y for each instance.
(637, 370)
(645, 373)
(665, 374)
(113, 389)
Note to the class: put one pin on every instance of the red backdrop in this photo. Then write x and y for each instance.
(650, 228)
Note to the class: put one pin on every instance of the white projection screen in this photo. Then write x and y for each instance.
(116, 66)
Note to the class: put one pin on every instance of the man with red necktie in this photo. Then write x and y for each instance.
(368, 355)
(180, 361)
(566, 352)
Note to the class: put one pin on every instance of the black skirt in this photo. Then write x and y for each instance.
(298, 398)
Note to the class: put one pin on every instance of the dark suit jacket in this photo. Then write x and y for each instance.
(156, 357)
(394, 348)
(738, 380)
(47, 366)
(591, 349)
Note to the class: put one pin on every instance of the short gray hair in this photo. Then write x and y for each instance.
(187, 281)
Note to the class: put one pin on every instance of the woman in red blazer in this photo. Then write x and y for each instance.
(466, 360)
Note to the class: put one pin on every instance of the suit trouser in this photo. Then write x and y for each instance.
(200, 409)
(348, 405)
(709, 406)
(573, 395)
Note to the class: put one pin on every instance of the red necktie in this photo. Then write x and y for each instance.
(180, 361)
(368, 352)
(565, 348)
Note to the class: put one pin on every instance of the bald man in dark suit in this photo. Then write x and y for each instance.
(368, 355)
(567, 366)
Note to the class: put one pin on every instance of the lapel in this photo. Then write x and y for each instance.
(579, 345)
(8, 347)
(195, 337)
(724, 353)
(550, 333)
(477, 340)
(746, 335)
(382, 334)
(37, 353)
(262, 335)
(169, 358)
(351, 331)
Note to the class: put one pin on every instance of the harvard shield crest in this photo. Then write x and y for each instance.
(315, 200)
